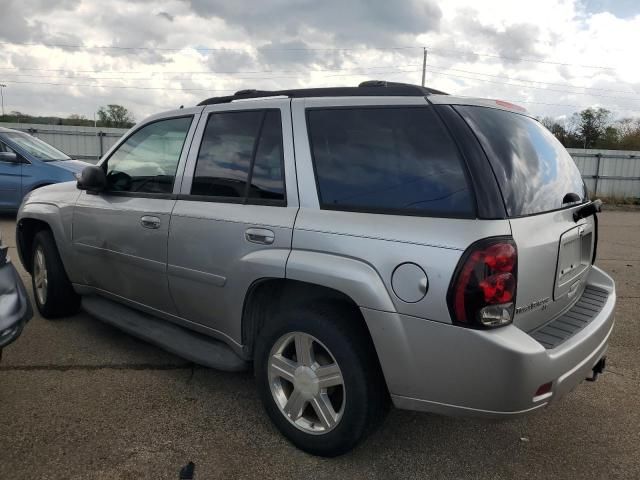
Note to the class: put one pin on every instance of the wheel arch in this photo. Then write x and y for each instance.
(268, 296)
(32, 218)
(26, 231)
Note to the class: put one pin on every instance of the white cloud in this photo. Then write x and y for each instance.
(288, 44)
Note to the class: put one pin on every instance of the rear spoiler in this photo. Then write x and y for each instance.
(589, 209)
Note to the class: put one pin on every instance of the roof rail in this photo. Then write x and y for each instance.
(371, 88)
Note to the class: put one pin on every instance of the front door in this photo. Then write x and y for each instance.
(233, 221)
(10, 181)
(120, 235)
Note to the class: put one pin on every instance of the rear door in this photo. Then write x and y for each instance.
(234, 216)
(542, 188)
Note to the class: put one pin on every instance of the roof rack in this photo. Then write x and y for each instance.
(371, 88)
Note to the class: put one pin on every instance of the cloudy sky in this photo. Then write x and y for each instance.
(59, 57)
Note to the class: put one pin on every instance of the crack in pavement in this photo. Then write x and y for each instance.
(125, 366)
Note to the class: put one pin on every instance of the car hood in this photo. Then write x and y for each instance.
(74, 166)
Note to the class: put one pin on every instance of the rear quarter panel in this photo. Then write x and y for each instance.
(383, 242)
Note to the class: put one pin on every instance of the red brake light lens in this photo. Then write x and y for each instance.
(483, 290)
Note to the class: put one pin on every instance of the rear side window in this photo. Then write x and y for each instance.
(387, 160)
(534, 171)
(241, 157)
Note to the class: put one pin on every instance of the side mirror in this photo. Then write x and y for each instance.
(92, 179)
(9, 157)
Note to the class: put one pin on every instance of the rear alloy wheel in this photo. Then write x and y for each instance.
(306, 383)
(319, 378)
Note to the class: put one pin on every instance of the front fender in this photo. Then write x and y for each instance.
(57, 218)
(354, 278)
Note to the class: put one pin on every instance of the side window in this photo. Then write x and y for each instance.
(267, 179)
(6, 148)
(241, 157)
(147, 161)
(398, 159)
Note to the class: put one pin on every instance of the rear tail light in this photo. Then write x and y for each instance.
(482, 293)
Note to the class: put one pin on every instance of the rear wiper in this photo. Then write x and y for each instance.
(588, 210)
(571, 198)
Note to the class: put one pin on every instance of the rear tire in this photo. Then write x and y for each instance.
(329, 399)
(52, 289)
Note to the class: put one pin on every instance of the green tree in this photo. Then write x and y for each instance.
(610, 138)
(590, 125)
(115, 116)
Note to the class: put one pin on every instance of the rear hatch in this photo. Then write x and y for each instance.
(541, 188)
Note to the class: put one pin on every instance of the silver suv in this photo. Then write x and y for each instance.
(357, 247)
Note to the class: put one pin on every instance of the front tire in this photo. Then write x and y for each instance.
(319, 379)
(52, 289)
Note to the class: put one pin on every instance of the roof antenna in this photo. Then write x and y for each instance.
(181, 107)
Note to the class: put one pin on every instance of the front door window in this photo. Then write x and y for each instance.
(147, 161)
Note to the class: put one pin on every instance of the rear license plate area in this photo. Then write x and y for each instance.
(574, 258)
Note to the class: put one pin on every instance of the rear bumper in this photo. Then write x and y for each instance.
(441, 368)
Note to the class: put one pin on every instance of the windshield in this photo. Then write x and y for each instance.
(535, 172)
(36, 147)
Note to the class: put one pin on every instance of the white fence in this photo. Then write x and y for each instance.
(608, 173)
(85, 143)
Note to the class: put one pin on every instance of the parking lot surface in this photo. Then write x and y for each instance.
(79, 399)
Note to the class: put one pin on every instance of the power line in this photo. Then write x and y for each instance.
(95, 85)
(204, 72)
(355, 71)
(203, 49)
(436, 50)
(531, 86)
(99, 85)
(520, 59)
(569, 85)
(228, 90)
(392, 72)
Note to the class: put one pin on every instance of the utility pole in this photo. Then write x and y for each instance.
(2, 87)
(424, 63)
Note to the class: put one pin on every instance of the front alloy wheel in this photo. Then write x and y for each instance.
(52, 289)
(306, 383)
(40, 277)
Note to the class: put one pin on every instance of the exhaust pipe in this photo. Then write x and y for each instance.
(597, 369)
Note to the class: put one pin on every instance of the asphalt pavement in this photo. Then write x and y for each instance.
(81, 400)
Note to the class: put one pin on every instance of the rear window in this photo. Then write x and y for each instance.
(535, 172)
(387, 160)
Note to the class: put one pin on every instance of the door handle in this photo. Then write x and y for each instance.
(147, 221)
(259, 235)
